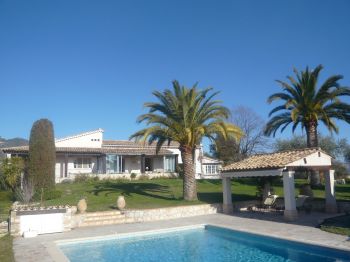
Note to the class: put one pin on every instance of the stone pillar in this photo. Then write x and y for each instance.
(142, 166)
(290, 211)
(331, 203)
(227, 195)
(65, 165)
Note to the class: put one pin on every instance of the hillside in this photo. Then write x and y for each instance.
(13, 142)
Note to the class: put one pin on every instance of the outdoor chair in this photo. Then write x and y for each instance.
(302, 202)
(268, 203)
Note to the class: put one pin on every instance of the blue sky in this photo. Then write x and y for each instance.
(92, 64)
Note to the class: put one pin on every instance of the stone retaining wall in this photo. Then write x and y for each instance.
(171, 212)
(123, 176)
(319, 205)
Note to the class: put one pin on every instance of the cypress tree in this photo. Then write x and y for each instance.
(42, 154)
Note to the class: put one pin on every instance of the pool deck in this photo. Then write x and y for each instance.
(43, 247)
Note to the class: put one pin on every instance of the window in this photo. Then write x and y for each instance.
(82, 162)
(211, 169)
(169, 164)
(115, 164)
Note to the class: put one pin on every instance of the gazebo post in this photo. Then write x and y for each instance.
(290, 212)
(227, 206)
(331, 203)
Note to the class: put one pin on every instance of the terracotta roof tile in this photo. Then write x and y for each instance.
(270, 161)
(133, 144)
(103, 150)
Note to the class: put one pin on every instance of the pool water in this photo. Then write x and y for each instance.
(208, 243)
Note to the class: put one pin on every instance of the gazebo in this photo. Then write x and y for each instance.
(282, 164)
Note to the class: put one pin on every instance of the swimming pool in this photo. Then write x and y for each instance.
(201, 243)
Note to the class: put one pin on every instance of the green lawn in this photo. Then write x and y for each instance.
(5, 204)
(102, 195)
(6, 254)
(337, 225)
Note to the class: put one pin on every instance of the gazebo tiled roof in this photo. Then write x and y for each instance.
(270, 161)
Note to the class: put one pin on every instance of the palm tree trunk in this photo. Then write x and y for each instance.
(189, 184)
(312, 141)
(311, 134)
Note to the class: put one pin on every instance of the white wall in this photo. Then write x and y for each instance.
(315, 159)
(91, 139)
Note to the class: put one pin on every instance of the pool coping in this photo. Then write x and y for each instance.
(58, 254)
(305, 234)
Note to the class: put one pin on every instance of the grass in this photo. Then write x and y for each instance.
(6, 199)
(102, 195)
(338, 225)
(155, 193)
(6, 253)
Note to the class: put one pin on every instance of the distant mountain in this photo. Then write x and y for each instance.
(13, 142)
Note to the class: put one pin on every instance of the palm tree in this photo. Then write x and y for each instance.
(306, 105)
(185, 115)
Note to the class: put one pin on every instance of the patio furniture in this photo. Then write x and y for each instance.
(267, 204)
(302, 202)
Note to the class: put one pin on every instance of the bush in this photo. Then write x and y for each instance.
(133, 175)
(67, 181)
(180, 170)
(85, 178)
(143, 177)
(81, 178)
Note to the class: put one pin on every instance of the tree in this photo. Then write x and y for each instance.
(306, 105)
(252, 142)
(11, 171)
(337, 148)
(185, 115)
(42, 154)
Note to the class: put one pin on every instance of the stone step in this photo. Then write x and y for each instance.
(105, 217)
(103, 222)
(105, 213)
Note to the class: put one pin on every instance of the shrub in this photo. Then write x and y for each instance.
(42, 154)
(79, 178)
(143, 177)
(86, 178)
(11, 170)
(133, 175)
(67, 181)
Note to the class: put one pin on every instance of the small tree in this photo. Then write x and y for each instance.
(42, 154)
(11, 171)
(253, 141)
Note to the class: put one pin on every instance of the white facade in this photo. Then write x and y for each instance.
(88, 154)
(91, 139)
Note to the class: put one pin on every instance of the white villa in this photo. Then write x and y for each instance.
(88, 153)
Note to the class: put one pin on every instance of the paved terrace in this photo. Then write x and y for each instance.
(42, 248)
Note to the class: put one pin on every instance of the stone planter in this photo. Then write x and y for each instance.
(82, 206)
(121, 203)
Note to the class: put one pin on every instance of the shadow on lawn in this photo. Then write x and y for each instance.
(216, 197)
(126, 189)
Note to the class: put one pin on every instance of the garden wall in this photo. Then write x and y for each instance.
(171, 212)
